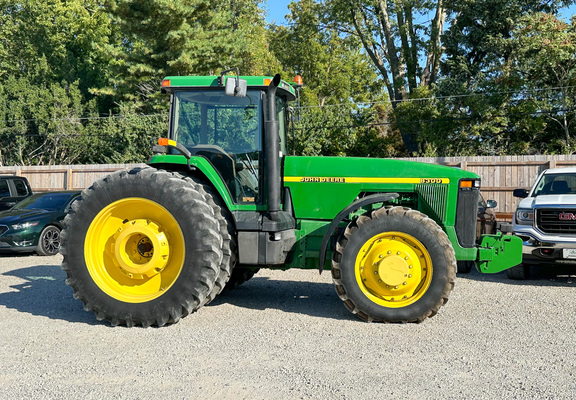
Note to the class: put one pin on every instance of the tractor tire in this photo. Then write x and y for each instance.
(519, 272)
(229, 240)
(49, 241)
(464, 267)
(240, 275)
(141, 247)
(394, 265)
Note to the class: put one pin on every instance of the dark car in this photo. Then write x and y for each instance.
(13, 189)
(34, 224)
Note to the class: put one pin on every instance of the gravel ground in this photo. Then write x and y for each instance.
(286, 335)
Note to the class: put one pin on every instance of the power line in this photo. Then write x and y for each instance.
(448, 97)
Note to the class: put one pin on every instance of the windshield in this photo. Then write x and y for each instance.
(226, 131)
(556, 184)
(44, 201)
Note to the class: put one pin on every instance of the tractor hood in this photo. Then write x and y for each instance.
(356, 167)
(313, 179)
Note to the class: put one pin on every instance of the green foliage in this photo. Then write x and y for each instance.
(338, 79)
(79, 79)
(45, 125)
(190, 37)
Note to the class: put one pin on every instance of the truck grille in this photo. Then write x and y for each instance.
(558, 221)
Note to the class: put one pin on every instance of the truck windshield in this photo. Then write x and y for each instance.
(226, 131)
(556, 184)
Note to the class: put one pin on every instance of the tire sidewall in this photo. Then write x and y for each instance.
(440, 268)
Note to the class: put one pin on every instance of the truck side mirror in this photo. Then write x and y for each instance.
(522, 193)
(491, 203)
(236, 87)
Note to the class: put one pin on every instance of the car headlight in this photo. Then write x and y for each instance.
(24, 225)
(524, 216)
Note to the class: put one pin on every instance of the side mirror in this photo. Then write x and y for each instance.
(236, 87)
(491, 203)
(521, 193)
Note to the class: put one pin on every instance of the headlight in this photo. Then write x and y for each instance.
(524, 217)
(24, 225)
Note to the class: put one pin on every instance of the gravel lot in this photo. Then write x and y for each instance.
(286, 335)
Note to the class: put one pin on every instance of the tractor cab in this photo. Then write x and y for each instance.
(212, 118)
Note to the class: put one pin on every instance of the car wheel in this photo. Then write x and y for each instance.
(49, 241)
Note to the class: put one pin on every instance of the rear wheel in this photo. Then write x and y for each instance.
(394, 265)
(49, 241)
(240, 275)
(142, 247)
(230, 243)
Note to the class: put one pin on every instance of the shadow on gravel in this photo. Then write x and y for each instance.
(308, 298)
(44, 293)
(542, 275)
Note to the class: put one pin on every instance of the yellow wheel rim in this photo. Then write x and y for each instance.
(393, 269)
(134, 250)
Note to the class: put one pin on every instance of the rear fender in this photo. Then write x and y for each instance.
(197, 165)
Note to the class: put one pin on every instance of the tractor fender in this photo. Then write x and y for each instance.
(195, 166)
(342, 215)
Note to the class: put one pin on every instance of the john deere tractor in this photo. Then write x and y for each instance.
(221, 199)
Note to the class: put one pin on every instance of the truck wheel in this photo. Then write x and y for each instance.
(140, 248)
(395, 265)
(240, 275)
(49, 241)
(519, 272)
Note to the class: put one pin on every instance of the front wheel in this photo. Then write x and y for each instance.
(49, 241)
(142, 247)
(394, 265)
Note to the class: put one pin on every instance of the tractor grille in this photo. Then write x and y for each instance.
(435, 197)
(466, 215)
(559, 221)
(3, 228)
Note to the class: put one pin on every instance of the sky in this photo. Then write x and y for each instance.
(276, 10)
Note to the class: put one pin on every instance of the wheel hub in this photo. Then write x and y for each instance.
(141, 249)
(393, 267)
(393, 270)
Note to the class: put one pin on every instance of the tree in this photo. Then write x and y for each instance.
(543, 55)
(405, 53)
(190, 37)
(340, 85)
(408, 51)
(54, 42)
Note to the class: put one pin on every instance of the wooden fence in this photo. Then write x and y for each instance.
(500, 175)
(64, 177)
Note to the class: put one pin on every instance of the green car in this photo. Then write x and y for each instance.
(35, 223)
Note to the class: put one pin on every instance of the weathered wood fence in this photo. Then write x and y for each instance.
(63, 177)
(500, 175)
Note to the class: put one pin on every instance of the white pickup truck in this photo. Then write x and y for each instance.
(545, 220)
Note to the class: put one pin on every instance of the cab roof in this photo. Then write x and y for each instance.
(172, 83)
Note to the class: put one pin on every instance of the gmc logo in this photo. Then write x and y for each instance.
(566, 217)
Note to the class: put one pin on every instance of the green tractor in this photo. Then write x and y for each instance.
(221, 199)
